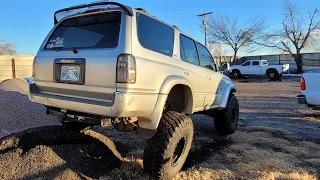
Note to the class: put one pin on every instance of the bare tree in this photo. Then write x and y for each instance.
(236, 35)
(6, 48)
(297, 33)
(216, 50)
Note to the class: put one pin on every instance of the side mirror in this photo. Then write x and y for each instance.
(228, 67)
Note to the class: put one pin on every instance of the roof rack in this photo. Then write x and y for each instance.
(125, 8)
(143, 10)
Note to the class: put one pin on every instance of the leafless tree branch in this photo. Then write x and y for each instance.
(233, 34)
(297, 33)
(6, 48)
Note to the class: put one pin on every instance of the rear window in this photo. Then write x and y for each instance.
(94, 31)
(155, 35)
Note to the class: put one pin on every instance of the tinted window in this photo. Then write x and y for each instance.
(94, 31)
(205, 57)
(155, 35)
(255, 63)
(190, 50)
(264, 63)
(246, 64)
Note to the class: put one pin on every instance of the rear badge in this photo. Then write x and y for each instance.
(67, 61)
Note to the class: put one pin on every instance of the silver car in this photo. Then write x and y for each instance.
(109, 64)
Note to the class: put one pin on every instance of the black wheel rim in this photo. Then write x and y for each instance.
(235, 74)
(178, 151)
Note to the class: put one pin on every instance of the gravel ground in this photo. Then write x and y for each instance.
(276, 139)
(17, 113)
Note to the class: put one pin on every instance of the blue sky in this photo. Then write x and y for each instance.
(26, 23)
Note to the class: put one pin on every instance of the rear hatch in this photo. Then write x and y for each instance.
(79, 57)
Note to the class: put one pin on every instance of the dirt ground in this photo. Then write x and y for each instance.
(276, 139)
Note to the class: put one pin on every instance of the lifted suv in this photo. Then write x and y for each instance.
(108, 64)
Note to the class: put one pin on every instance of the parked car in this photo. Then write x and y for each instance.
(109, 64)
(310, 90)
(258, 67)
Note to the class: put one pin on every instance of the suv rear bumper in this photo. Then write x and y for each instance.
(123, 105)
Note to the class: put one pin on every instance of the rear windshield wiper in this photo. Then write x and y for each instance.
(74, 50)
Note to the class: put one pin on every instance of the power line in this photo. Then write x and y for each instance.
(204, 15)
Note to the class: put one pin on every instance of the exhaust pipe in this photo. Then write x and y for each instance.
(124, 125)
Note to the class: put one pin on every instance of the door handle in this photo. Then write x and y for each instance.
(186, 73)
(209, 78)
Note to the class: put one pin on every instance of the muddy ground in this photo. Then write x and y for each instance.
(276, 139)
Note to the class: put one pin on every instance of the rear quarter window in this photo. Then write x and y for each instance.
(155, 35)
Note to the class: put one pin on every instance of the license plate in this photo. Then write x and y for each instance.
(70, 73)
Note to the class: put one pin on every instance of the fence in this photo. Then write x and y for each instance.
(15, 67)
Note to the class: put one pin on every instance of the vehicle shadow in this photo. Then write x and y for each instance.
(91, 154)
(206, 141)
(81, 153)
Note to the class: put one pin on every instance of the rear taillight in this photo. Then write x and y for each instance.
(126, 69)
(33, 67)
(303, 84)
(282, 68)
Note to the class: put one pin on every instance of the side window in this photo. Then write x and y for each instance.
(264, 63)
(205, 57)
(155, 35)
(246, 63)
(190, 50)
(255, 63)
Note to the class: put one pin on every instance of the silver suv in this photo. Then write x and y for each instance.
(109, 64)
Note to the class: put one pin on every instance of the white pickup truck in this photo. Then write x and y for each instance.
(310, 90)
(258, 67)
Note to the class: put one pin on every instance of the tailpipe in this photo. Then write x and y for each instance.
(126, 124)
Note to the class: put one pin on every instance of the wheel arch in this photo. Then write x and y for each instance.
(271, 69)
(172, 83)
(229, 91)
(148, 125)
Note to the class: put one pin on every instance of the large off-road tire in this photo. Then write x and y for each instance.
(236, 73)
(166, 152)
(273, 74)
(226, 121)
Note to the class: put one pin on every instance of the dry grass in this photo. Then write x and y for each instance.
(9, 143)
(37, 160)
(68, 174)
(312, 119)
(204, 173)
(289, 176)
(130, 168)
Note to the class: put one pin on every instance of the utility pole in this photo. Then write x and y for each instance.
(204, 15)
